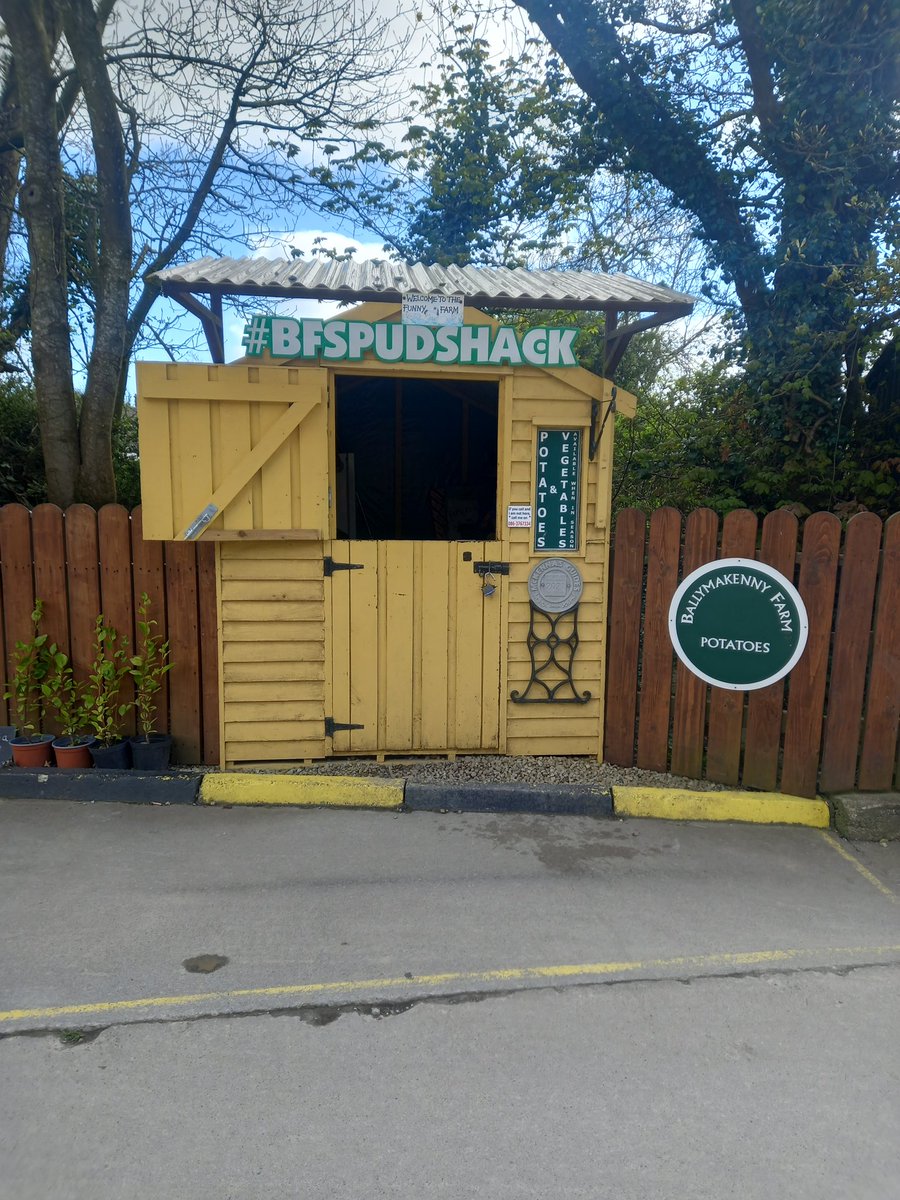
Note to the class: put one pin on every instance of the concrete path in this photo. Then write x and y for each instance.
(444, 1005)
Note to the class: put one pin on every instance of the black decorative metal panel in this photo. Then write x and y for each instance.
(552, 655)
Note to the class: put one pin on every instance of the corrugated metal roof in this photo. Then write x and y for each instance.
(384, 280)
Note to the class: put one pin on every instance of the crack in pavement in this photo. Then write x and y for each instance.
(321, 1015)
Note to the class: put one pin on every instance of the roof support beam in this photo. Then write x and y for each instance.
(619, 336)
(210, 318)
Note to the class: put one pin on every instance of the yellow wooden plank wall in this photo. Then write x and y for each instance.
(271, 597)
(539, 401)
(198, 423)
(414, 648)
(414, 681)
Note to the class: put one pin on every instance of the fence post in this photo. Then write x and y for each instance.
(765, 707)
(656, 662)
(878, 762)
(850, 652)
(689, 721)
(806, 686)
(623, 641)
(18, 579)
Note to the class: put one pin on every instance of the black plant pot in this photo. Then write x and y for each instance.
(152, 755)
(111, 758)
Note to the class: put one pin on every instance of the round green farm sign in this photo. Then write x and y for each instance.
(738, 624)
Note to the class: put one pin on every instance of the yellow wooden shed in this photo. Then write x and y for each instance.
(411, 518)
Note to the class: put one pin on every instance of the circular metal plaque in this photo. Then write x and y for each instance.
(555, 585)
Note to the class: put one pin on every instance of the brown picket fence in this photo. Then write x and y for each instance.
(831, 726)
(82, 562)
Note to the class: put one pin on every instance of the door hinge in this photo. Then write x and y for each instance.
(331, 566)
(332, 727)
(490, 568)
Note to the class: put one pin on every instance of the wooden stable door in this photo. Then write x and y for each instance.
(414, 646)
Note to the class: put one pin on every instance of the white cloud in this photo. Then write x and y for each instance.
(310, 242)
(279, 246)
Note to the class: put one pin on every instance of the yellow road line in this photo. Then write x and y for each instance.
(863, 870)
(762, 808)
(750, 958)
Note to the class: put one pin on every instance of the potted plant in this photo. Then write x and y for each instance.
(25, 690)
(150, 751)
(103, 706)
(66, 698)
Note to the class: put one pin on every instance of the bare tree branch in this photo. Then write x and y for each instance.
(759, 65)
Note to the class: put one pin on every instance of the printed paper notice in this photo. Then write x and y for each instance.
(518, 516)
(421, 309)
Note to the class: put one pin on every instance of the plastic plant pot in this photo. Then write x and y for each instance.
(33, 752)
(152, 755)
(73, 754)
(111, 758)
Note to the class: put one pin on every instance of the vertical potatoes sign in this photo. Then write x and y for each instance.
(738, 624)
(557, 498)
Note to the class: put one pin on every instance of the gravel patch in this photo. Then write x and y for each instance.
(486, 768)
(491, 768)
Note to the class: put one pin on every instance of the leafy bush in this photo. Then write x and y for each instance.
(706, 441)
(21, 461)
(22, 478)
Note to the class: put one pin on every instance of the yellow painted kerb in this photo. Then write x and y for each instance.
(318, 791)
(761, 808)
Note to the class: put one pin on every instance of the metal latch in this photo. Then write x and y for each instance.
(332, 727)
(331, 566)
(490, 568)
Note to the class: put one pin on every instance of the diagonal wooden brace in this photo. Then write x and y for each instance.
(272, 440)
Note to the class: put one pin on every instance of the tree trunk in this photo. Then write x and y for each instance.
(41, 201)
(10, 161)
(667, 148)
(96, 483)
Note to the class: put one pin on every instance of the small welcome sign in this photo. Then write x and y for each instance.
(738, 624)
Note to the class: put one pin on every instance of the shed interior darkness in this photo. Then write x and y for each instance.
(416, 458)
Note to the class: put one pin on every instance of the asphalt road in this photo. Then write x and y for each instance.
(442, 1005)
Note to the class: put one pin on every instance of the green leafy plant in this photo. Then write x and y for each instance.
(102, 704)
(33, 665)
(148, 667)
(65, 697)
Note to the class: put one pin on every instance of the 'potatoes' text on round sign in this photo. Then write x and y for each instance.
(738, 624)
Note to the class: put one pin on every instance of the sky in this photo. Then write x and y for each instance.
(306, 240)
(314, 231)
(417, 27)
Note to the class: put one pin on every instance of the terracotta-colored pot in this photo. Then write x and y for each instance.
(76, 757)
(37, 752)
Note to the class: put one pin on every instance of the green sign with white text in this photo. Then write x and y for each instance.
(339, 340)
(738, 624)
(557, 489)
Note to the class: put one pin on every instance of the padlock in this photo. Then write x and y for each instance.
(488, 587)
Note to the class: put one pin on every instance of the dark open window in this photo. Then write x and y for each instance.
(416, 458)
